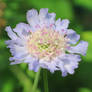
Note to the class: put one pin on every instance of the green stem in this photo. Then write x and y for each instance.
(36, 81)
(45, 81)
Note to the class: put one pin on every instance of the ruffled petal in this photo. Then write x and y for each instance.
(61, 26)
(81, 48)
(16, 62)
(18, 42)
(46, 19)
(17, 50)
(43, 12)
(68, 63)
(64, 23)
(60, 66)
(23, 30)
(72, 36)
(11, 34)
(19, 59)
(32, 18)
(34, 65)
(43, 63)
(50, 65)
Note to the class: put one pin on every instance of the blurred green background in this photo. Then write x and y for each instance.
(18, 78)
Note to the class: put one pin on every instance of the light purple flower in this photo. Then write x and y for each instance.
(46, 43)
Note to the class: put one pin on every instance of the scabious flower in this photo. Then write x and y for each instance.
(46, 43)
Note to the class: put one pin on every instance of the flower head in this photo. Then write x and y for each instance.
(45, 43)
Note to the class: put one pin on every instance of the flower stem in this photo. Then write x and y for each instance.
(45, 80)
(36, 81)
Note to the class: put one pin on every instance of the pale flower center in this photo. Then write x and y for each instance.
(46, 44)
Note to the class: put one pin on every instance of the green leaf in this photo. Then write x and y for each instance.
(87, 36)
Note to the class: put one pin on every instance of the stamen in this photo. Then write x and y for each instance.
(46, 43)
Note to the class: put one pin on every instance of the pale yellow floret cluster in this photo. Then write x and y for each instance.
(46, 43)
